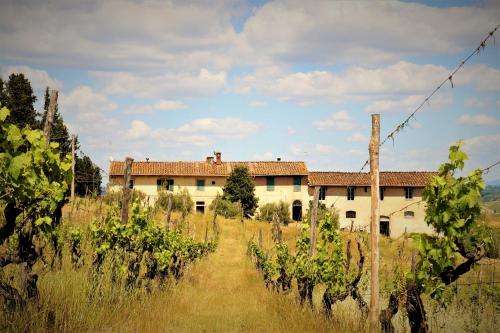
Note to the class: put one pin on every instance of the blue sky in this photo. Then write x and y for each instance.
(259, 80)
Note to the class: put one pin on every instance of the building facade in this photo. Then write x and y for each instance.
(292, 183)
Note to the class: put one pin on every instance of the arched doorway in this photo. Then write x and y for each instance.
(297, 210)
(385, 227)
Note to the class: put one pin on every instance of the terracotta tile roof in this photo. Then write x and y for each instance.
(387, 178)
(207, 169)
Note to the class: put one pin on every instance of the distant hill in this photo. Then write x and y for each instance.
(495, 182)
(491, 193)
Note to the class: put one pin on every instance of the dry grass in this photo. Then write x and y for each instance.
(222, 292)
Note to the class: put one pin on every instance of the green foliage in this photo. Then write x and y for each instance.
(168, 251)
(35, 176)
(323, 211)
(17, 95)
(240, 187)
(87, 177)
(181, 201)
(225, 208)
(453, 210)
(280, 209)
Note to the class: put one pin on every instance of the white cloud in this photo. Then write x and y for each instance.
(475, 103)
(257, 104)
(39, 79)
(366, 83)
(266, 156)
(85, 111)
(199, 132)
(338, 120)
(483, 143)
(409, 104)
(353, 32)
(291, 131)
(221, 127)
(480, 119)
(358, 137)
(171, 84)
(161, 105)
(305, 149)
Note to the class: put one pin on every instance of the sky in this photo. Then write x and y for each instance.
(258, 80)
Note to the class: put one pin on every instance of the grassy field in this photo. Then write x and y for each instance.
(223, 292)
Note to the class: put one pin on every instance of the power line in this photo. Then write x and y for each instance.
(403, 124)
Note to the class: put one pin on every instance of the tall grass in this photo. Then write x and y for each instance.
(222, 292)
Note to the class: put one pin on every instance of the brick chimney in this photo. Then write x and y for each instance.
(210, 159)
(218, 158)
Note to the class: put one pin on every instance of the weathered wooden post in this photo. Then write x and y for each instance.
(168, 213)
(314, 216)
(49, 120)
(73, 163)
(126, 188)
(375, 223)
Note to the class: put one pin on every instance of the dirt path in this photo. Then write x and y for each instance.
(225, 293)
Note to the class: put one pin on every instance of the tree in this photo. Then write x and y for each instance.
(240, 187)
(59, 131)
(17, 95)
(454, 212)
(87, 177)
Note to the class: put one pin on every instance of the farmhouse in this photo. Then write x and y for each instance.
(290, 182)
(350, 192)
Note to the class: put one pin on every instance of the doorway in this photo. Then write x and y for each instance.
(385, 226)
(297, 210)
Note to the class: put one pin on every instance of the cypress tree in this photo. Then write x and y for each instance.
(17, 95)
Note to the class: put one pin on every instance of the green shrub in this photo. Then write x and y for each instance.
(225, 208)
(115, 197)
(281, 209)
(181, 201)
(323, 211)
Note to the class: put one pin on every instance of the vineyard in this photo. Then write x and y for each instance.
(77, 258)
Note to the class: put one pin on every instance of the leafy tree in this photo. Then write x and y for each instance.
(453, 210)
(240, 187)
(59, 131)
(87, 177)
(225, 208)
(17, 95)
(33, 188)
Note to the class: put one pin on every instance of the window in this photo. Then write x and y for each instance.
(270, 183)
(167, 184)
(200, 207)
(322, 192)
(366, 189)
(213, 182)
(382, 192)
(350, 193)
(350, 214)
(408, 192)
(200, 184)
(296, 183)
(409, 214)
(131, 184)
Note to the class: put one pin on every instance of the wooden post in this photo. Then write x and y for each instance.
(168, 213)
(375, 223)
(126, 190)
(49, 120)
(314, 216)
(73, 163)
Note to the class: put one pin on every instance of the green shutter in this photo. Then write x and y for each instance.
(296, 183)
(200, 184)
(270, 183)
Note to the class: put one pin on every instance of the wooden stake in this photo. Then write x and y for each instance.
(375, 223)
(126, 190)
(73, 163)
(49, 120)
(168, 213)
(314, 216)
